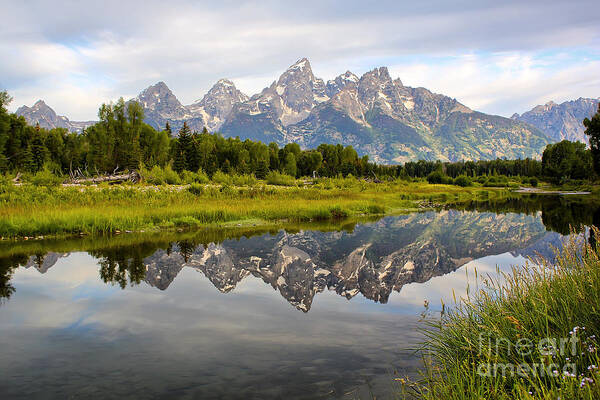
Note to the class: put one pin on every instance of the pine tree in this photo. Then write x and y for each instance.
(39, 152)
(27, 161)
(185, 145)
(179, 162)
(592, 129)
(262, 170)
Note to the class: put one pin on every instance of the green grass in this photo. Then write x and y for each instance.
(30, 210)
(531, 304)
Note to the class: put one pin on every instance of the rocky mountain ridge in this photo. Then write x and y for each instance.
(561, 121)
(378, 115)
(44, 116)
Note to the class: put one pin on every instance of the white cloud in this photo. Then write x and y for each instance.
(91, 49)
(505, 83)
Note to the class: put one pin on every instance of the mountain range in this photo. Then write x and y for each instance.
(43, 115)
(561, 121)
(378, 115)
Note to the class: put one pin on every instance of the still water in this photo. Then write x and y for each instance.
(300, 313)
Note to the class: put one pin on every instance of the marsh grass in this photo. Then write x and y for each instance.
(533, 303)
(30, 210)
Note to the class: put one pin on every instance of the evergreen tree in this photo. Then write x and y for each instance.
(185, 145)
(179, 162)
(262, 170)
(592, 129)
(38, 152)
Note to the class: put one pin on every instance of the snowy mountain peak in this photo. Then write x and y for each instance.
(300, 64)
(336, 85)
(42, 114)
(217, 104)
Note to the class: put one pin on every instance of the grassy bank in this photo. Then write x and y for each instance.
(533, 336)
(30, 210)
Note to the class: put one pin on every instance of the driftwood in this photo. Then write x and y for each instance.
(133, 176)
(376, 180)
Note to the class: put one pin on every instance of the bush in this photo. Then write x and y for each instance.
(244, 180)
(533, 181)
(46, 178)
(222, 178)
(462, 180)
(196, 189)
(436, 177)
(190, 177)
(496, 181)
(276, 178)
(160, 176)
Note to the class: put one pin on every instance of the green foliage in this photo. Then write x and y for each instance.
(196, 189)
(567, 160)
(519, 323)
(462, 181)
(592, 129)
(496, 181)
(222, 178)
(436, 177)
(244, 180)
(276, 178)
(194, 177)
(160, 176)
(45, 177)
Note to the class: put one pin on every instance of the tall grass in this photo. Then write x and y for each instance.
(518, 323)
(33, 210)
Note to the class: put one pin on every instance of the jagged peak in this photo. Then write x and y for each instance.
(157, 87)
(224, 82)
(381, 74)
(40, 103)
(300, 64)
(349, 76)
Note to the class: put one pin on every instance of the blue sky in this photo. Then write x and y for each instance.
(497, 57)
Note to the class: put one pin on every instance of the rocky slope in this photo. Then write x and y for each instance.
(376, 114)
(40, 113)
(561, 121)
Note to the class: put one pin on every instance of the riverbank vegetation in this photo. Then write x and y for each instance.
(532, 335)
(29, 210)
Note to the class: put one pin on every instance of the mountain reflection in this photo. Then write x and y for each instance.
(372, 259)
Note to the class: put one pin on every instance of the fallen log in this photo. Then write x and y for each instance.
(133, 176)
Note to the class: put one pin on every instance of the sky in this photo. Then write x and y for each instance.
(498, 57)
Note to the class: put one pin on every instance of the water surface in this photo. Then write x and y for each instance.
(299, 313)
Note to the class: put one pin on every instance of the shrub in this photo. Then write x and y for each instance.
(533, 181)
(190, 177)
(160, 176)
(244, 180)
(222, 178)
(46, 178)
(277, 178)
(436, 177)
(196, 189)
(462, 180)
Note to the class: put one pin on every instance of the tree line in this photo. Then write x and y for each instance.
(121, 140)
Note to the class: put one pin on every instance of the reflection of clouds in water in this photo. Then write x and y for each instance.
(440, 288)
(191, 336)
